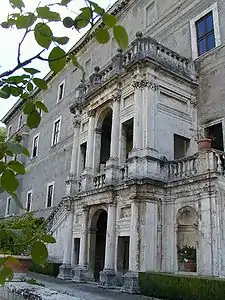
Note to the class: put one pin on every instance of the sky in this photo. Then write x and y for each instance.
(10, 39)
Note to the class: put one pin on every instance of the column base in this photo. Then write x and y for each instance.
(65, 272)
(107, 278)
(130, 283)
(80, 274)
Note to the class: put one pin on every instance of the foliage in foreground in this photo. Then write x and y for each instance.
(23, 81)
(179, 287)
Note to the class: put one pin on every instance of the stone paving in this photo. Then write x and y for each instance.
(56, 289)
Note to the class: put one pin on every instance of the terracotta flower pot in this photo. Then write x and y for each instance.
(20, 268)
(204, 144)
(189, 266)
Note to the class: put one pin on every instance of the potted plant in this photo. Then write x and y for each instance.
(187, 256)
(204, 143)
(17, 235)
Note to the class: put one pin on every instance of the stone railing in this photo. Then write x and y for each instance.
(124, 172)
(182, 168)
(219, 161)
(142, 48)
(99, 180)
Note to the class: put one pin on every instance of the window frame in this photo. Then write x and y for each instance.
(53, 129)
(20, 125)
(63, 91)
(31, 193)
(9, 131)
(32, 150)
(194, 40)
(52, 183)
(7, 208)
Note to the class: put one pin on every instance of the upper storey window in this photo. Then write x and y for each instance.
(61, 90)
(205, 31)
(205, 34)
(9, 132)
(56, 131)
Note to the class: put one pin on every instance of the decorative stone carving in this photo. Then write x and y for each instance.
(125, 212)
(78, 218)
(76, 121)
(143, 82)
(91, 113)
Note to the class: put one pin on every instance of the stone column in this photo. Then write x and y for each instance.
(88, 172)
(151, 238)
(65, 270)
(131, 277)
(81, 270)
(107, 275)
(72, 182)
(112, 169)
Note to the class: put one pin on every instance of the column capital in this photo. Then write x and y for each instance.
(76, 121)
(141, 81)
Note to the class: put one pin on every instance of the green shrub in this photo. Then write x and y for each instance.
(181, 287)
(51, 269)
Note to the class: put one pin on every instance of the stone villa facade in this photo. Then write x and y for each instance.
(115, 165)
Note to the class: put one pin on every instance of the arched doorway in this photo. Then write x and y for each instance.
(103, 139)
(98, 241)
(187, 239)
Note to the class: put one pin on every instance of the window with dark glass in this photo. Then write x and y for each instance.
(20, 121)
(205, 34)
(50, 195)
(35, 147)
(60, 91)
(8, 206)
(56, 132)
(29, 200)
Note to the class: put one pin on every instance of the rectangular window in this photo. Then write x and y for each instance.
(83, 150)
(181, 145)
(35, 146)
(29, 200)
(20, 122)
(50, 194)
(9, 132)
(205, 31)
(205, 34)
(56, 131)
(39, 110)
(7, 209)
(61, 89)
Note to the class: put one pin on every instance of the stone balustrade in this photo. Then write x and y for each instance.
(182, 168)
(124, 172)
(142, 48)
(99, 180)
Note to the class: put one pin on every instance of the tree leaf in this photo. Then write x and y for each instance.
(28, 107)
(65, 2)
(57, 59)
(17, 167)
(14, 196)
(47, 238)
(120, 36)
(17, 3)
(109, 20)
(86, 13)
(25, 21)
(41, 83)
(68, 22)
(16, 91)
(26, 152)
(30, 87)
(97, 8)
(32, 71)
(45, 13)
(43, 35)
(5, 25)
(2, 167)
(102, 35)
(15, 148)
(39, 253)
(5, 92)
(6, 273)
(41, 105)
(33, 119)
(61, 40)
(75, 61)
(9, 181)
(80, 22)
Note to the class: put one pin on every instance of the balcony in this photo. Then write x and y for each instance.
(201, 163)
(141, 49)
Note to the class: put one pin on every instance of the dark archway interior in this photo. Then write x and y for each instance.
(106, 138)
(100, 244)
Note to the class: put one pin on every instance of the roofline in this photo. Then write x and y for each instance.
(114, 9)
